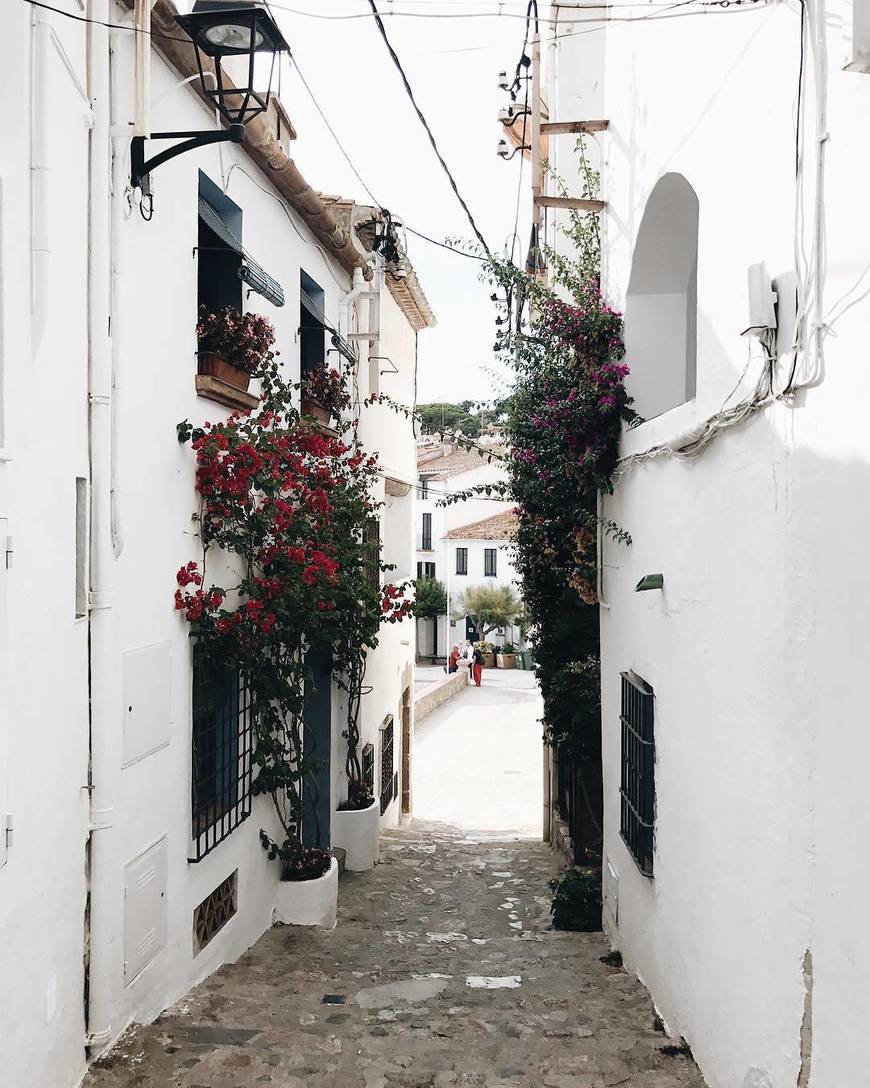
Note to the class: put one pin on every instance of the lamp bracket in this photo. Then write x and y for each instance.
(140, 167)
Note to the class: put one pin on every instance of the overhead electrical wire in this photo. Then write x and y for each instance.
(383, 32)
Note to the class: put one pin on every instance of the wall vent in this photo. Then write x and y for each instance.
(215, 911)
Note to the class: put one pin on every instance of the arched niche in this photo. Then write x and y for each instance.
(661, 305)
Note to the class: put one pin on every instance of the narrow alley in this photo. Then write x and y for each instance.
(443, 969)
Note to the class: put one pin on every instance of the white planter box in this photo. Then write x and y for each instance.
(358, 833)
(309, 902)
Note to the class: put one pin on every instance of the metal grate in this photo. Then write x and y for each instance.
(462, 560)
(637, 792)
(372, 551)
(386, 763)
(426, 535)
(222, 753)
(215, 911)
(490, 558)
(368, 767)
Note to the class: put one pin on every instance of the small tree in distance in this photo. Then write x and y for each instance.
(489, 606)
(431, 603)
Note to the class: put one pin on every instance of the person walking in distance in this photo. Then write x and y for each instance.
(477, 666)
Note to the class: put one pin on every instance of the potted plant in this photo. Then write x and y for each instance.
(323, 394)
(356, 828)
(232, 346)
(488, 655)
(308, 892)
(507, 658)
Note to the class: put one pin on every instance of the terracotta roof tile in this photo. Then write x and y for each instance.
(439, 468)
(499, 526)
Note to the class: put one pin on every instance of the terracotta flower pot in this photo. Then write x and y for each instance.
(218, 367)
(311, 407)
(507, 661)
(489, 661)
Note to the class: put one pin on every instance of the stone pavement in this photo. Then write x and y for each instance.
(442, 972)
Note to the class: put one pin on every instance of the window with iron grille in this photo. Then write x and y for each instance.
(637, 792)
(386, 763)
(215, 911)
(428, 570)
(222, 752)
(372, 551)
(462, 560)
(424, 487)
(368, 767)
(490, 558)
(426, 535)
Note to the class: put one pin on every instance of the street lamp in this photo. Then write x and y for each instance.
(220, 30)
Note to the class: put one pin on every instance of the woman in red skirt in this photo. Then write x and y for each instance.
(477, 664)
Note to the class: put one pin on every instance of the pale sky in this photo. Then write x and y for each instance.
(452, 64)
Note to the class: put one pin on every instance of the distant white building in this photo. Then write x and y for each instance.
(442, 472)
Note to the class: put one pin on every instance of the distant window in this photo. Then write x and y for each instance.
(462, 560)
(637, 789)
(424, 487)
(490, 559)
(387, 784)
(222, 752)
(426, 536)
(372, 551)
(312, 327)
(218, 264)
(419, 571)
(428, 570)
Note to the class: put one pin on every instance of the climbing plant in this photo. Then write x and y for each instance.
(285, 570)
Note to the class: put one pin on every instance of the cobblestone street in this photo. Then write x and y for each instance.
(443, 969)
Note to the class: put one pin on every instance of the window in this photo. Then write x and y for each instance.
(372, 551)
(312, 324)
(462, 560)
(222, 750)
(218, 262)
(661, 304)
(386, 763)
(637, 791)
(490, 559)
(428, 570)
(368, 767)
(426, 538)
(424, 487)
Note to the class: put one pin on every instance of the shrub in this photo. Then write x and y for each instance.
(508, 648)
(576, 902)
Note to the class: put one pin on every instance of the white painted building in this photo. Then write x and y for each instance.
(742, 909)
(444, 470)
(100, 899)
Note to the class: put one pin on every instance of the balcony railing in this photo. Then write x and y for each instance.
(424, 542)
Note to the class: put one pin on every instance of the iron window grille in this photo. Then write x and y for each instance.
(368, 767)
(637, 792)
(424, 487)
(386, 763)
(426, 536)
(490, 559)
(462, 560)
(223, 741)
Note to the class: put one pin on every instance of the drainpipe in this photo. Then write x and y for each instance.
(350, 298)
(106, 907)
(119, 184)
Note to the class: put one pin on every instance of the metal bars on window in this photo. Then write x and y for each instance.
(368, 767)
(223, 741)
(490, 559)
(426, 535)
(387, 785)
(372, 551)
(637, 790)
(462, 560)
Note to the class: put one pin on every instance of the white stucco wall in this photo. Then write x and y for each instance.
(754, 645)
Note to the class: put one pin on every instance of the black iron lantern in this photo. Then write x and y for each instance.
(220, 30)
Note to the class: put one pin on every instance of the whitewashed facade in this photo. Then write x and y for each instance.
(97, 339)
(749, 932)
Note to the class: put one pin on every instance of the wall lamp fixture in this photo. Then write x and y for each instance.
(650, 581)
(219, 30)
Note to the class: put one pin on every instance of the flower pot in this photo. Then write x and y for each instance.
(314, 408)
(507, 661)
(358, 832)
(309, 902)
(216, 366)
(489, 661)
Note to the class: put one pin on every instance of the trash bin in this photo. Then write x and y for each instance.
(524, 659)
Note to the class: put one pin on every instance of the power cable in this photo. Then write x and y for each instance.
(109, 26)
(383, 32)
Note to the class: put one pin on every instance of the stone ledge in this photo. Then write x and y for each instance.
(212, 388)
(439, 692)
